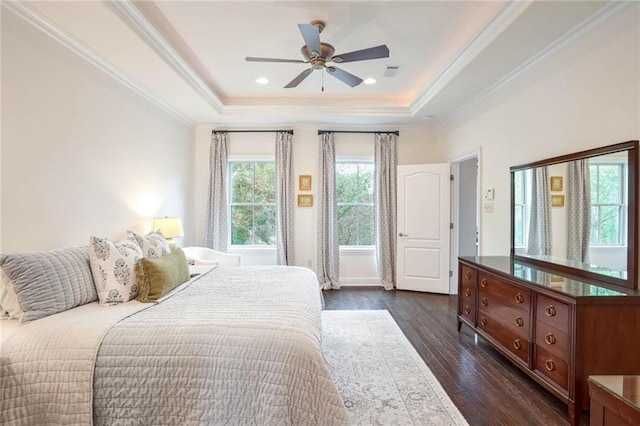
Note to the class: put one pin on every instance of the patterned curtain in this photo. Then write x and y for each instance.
(217, 221)
(328, 246)
(579, 210)
(540, 237)
(284, 198)
(385, 200)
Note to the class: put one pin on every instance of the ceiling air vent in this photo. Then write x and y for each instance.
(391, 71)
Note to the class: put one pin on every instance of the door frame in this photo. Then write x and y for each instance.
(455, 212)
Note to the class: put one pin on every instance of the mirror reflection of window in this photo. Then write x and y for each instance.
(608, 206)
(522, 191)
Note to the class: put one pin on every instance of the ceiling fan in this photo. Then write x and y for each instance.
(319, 54)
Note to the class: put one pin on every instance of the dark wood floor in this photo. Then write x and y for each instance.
(486, 388)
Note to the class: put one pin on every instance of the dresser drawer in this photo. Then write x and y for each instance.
(508, 294)
(517, 345)
(513, 319)
(552, 367)
(552, 340)
(468, 276)
(552, 312)
(468, 310)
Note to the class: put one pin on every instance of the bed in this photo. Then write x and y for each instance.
(235, 345)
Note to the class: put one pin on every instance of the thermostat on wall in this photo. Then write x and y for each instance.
(489, 194)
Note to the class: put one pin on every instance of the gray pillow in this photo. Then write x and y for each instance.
(49, 282)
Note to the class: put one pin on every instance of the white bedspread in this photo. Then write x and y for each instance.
(46, 366)
(234, 346)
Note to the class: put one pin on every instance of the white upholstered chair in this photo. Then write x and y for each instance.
(206, 256)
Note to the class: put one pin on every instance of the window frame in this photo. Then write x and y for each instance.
(230, 204)
(357, 249)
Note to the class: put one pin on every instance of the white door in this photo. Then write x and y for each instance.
(423, 228)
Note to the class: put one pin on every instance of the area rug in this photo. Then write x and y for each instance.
(380, 376)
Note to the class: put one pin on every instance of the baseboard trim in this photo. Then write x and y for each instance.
(360, 282)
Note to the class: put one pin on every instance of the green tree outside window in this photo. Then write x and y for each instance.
(354, 187)
(253, 202)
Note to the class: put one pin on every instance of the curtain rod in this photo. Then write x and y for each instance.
(252, 131)
(321, 132)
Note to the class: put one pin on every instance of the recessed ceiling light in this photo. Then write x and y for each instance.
(262, 80)
(370, 81)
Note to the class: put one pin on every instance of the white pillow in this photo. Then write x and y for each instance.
(9, 305)
(153, 245)
(113, 269)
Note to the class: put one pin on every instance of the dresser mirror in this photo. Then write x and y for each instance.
(577, 214)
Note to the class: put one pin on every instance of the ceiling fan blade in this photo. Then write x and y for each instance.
(344, 76)
(294, 83)
(253, 59)
(377, 52)
(311, 36)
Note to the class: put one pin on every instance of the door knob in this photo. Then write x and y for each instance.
(403, 235)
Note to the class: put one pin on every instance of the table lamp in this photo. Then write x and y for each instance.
(171, 227)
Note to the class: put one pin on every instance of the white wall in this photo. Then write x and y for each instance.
(81, 154)
(583, 96)
(414, 147)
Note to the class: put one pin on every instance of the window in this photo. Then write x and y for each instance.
(253, 202)
(354, 186)
(519, 209)
(608, 219)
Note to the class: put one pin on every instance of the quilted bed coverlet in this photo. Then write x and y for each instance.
(233, 346)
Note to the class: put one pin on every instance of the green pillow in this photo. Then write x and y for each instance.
(157, 277)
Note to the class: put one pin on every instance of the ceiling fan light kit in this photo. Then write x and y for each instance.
(319, 54)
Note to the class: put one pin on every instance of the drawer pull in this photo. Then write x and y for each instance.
(550, 311)
(484, 282)
(550, 339)
(467, 292)
(549, 365)
(468, 275)
(484, 301)
(467, 309)
(519, 322)
(519, 298)
(517, 344)
(483, 321)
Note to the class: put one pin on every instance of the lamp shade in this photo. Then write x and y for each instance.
(171, 227)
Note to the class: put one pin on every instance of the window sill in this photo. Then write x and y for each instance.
(252, 249)
(357, 250)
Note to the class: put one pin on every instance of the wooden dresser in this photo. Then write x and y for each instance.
(555, 328)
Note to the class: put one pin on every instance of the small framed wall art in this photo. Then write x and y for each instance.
(304, 182)
(557, 201)
(556, 183)
(305, 200)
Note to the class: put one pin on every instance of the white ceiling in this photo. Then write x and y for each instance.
(188, 57)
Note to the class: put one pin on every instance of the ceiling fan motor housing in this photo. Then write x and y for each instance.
(318, 61)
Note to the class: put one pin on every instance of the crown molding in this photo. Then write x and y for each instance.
(156, 40)
(558, 44)
(29, 14)
(502, 19)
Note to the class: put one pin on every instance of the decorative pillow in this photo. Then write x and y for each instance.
(153, 244)
(49, 282)
(113, 267)
(9, 305)
(157, 277)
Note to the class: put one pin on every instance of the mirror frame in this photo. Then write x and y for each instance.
(632, 210)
